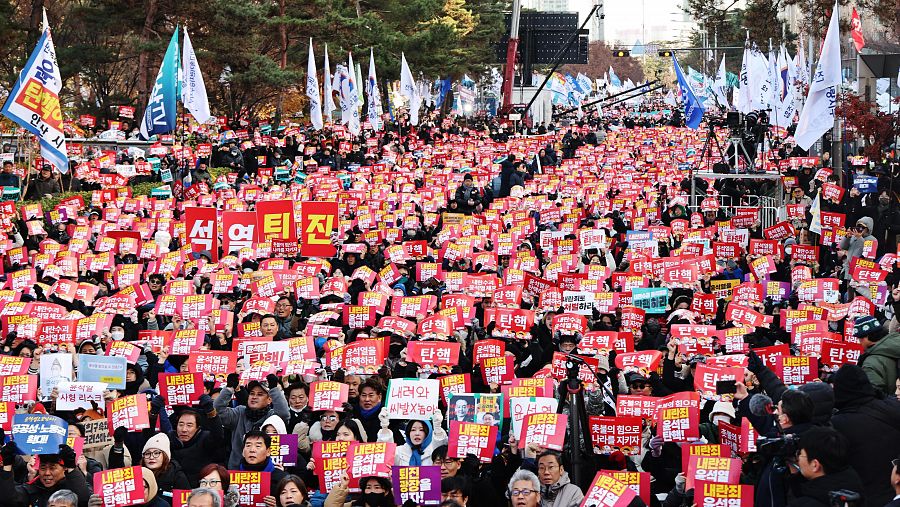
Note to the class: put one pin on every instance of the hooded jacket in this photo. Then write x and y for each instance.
(562, 493)
(237, 419)
(872, 429)
(880, 363)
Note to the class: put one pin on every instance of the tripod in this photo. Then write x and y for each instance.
(711, 141)
(579, 453)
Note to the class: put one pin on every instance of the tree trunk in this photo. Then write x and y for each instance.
(144, 57)
(282, 63)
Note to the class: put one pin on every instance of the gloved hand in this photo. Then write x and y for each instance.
(755, 363)
(67, 455)
(437, 418)
(347, 408)
(680, 482)
(95, 501)
(156, 404)
(272, 379)
(383, 417)
(656, 444)
(231, 381)
(206, 404)
(8, 453)
(119, 435)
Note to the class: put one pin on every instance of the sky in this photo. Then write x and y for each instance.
(661, 19)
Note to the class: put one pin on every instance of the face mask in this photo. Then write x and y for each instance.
(375, 499)
(118, 335)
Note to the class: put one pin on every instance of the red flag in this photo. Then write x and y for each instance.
(856, 31)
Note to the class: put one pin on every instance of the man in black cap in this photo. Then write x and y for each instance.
(56, 472)
(468, 197)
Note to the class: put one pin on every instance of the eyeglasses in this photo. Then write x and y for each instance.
(448, 461)
(209, 482)
(896, 463)
(542, 468)
(522, 492)
(328, 418)
(155, 453)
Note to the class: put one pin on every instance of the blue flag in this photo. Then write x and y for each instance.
(693, 110)
(161, 114)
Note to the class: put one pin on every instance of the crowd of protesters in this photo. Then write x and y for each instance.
(488, 203)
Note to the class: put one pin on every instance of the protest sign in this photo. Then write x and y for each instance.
(328, 395)
(129, 412)
(606, 491)
(253, 487)
(331, 461)
(55, 368)
(181, 388)
(546, 430)
(678, 417)
(622, 433)
(369, 459)
(39, 433)
(108, 369)
(519, 407)
(18, 388)
(418, 484)
(717, 494)
(713, 469)
(283, 449)
(479, 408)
(72, 395)
(412, 398)
(120, 487)
(472, 438)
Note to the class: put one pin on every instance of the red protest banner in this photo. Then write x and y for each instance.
(796, 370)
(605, 491)
(253, 487)
(201, 226)
(239, 230)
(120, 487)
(713, 469)
(328, 395)
(128, 411)
(181, 388)
(275, 220)
(330, 460)
(18, 388)
(716, 494)
(622, 433)
(716, 450)
(373, 459)
(318, 219)
(678, 417)
(636, 405)
(471, 438)
(432, 353)
(458, 383)
(498, 370)
(545, 430)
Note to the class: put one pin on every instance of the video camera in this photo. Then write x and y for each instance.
(785, 446)
(843, 498)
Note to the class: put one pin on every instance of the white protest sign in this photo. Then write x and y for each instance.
(410, 398)
(580, 302)
(55, 368)
(74, 395)
(519, 407)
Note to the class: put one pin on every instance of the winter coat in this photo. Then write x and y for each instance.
(872, 429)
(173, 478)
(462, 196)
(880, 363)
(237, 420)
(34, 494)
(562, 493)
(814, 493)
(199, 451)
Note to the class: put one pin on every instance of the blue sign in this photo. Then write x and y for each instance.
(865, 184)
(39, 433)
(652, 299)
(108, 369)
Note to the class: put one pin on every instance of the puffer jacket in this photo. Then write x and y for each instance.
(880, 363)
(562, 493)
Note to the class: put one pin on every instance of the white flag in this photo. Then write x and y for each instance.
(783, 114)
(818, 113)
(193, 90)
(328, 104)
(345, 84)
(373, 95)
(742, 100)
(760, 81)
(408, 89)
(721, 84)
(312, 90)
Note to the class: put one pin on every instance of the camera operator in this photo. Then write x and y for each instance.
(822, 461)
(780, 425)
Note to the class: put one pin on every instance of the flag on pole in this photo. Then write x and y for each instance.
(856, 31)
(193, 89)
(312, 90)
(693, 110)
(161, 113)
(373, 95)
(783, 115)
(328, 104)
(34, 101)
(818, 113)
(345, 83)
(742, 101)
(721, 84)
(408, 89)
(613, 78)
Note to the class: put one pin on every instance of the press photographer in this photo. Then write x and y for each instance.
(823, 463)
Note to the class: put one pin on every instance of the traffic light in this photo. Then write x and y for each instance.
(621, 53)
(666, 53)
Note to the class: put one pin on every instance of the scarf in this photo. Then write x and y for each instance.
(266, 466)
(255, 414)
(368, 414)
(415, 457)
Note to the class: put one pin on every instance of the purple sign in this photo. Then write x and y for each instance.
(778, 291)
(421, 484)
(284, 449)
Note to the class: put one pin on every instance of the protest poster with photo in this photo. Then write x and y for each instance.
(55, 368)
(481, 408)
(412, 398)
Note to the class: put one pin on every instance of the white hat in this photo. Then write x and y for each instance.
(275, 421)
(160, 441)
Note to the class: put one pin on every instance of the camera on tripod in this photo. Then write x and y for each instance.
(783, 446)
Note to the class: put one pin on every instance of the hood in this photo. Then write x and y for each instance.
(851, 387)
(889, 346)
(275, 421)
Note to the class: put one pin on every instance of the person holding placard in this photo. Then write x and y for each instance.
(56, 472)
(421, 440)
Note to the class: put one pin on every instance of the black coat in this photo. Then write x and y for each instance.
(173, 478)
(872, 429)
(814, 493)
(203, 449)
(36, 495)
